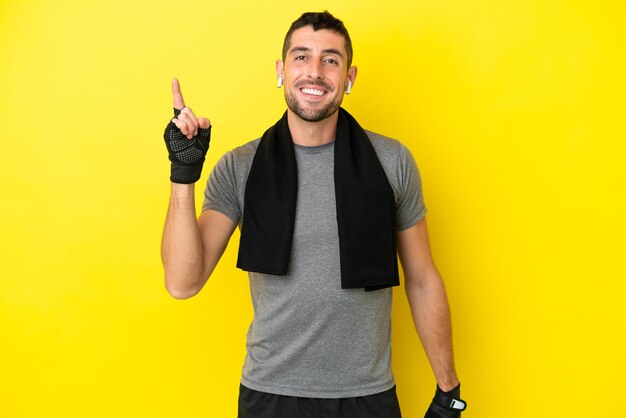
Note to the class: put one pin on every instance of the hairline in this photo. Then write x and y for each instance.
(287, 43)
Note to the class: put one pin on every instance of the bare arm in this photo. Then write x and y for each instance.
(429, 304)
(191, 248)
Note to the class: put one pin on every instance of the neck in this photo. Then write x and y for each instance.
(312, 134)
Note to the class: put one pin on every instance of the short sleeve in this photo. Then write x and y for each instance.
(220, 193)
(410, 207)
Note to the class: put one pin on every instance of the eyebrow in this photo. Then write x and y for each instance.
(325, 51)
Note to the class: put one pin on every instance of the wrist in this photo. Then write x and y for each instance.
(448, 384)
(183, 195)
(186, 174)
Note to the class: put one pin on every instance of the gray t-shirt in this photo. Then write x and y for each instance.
(309, 337)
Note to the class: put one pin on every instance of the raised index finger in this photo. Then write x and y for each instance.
(179, 103)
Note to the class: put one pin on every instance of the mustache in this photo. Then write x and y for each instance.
(318, 83)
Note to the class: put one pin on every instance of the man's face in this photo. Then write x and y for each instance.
(315, 73)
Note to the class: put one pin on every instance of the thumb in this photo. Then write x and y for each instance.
(179, 102)
(204, 123)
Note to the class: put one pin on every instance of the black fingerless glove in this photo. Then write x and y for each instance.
(446, 404)
(187, 155)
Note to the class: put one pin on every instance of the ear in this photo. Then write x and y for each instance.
(352, 71)
(279, 68)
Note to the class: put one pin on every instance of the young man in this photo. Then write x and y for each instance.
(323, 207)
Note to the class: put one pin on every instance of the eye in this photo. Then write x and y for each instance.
(331, 61)
(299, 58)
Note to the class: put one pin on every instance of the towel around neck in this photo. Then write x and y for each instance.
(365, 208)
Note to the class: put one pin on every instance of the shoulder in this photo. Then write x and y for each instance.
(243, 152)
(238, 159)
(389, 150)
(396, 159)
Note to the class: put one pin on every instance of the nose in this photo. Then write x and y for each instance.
(315, 70)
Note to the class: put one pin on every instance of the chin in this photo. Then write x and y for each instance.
(311, 115)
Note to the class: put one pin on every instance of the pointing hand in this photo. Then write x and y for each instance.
(184, 118)
(187, 140)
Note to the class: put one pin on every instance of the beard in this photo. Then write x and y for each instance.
(315, 115)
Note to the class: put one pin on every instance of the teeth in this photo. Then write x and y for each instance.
(312, 91)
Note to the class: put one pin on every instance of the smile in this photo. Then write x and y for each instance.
(314, 92)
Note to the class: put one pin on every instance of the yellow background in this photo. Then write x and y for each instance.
(514, 112)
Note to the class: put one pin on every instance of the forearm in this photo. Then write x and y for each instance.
(181, 247)
(431, 316)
